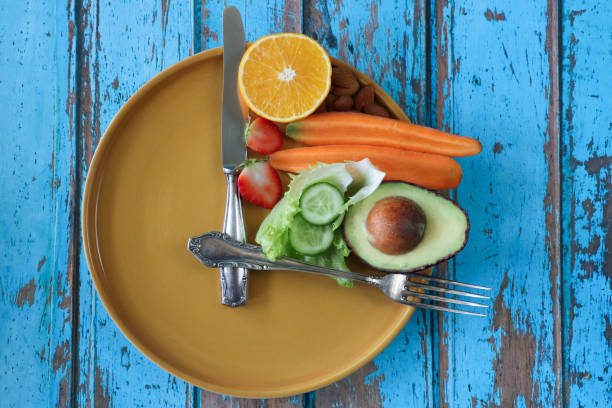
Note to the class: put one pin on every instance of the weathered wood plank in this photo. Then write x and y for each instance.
(211, 400)
(383, 39)
(439, 17)
(259, 20)
(496, 80)
(37, 201)
(275, 16)
(122, 47)
(502, 90)
(587, 203)
(387, 41)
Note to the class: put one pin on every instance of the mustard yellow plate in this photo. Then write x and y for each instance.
(155, 181)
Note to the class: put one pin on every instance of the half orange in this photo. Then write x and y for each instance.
(284, 77)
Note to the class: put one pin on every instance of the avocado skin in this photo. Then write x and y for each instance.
(420, 268)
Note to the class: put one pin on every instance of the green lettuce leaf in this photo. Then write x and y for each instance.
(356, 179)
(273, 231)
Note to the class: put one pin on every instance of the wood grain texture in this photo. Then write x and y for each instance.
(383, 39)
(530, 81)
(386, 40)
(258, 18)
(503, 92)
(121, 47)
(587, 208)
(209, 399)
(37, 203)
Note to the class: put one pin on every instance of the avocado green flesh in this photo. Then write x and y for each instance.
(445, 233)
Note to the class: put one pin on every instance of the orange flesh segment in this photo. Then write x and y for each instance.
(284, 77)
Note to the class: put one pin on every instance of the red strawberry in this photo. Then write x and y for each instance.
(263, 136)
(259, 183)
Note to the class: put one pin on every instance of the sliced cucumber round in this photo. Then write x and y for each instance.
(321, 203)
(309, 239)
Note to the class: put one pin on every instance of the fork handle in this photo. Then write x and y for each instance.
(216, 249)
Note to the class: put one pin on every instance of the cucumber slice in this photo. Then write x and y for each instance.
(320, 203)
(308, 239)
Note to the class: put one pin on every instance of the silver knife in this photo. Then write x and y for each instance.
(233, 280)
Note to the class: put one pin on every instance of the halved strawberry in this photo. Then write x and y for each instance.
(263, 136)
(259, 183)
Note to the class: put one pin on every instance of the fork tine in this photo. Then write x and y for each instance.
(446, 281)
(444, 299)
(440, 308)
(444, 290)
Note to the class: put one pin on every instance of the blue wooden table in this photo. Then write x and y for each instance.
(531, 80)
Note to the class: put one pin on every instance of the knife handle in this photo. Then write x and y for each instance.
(233, 280)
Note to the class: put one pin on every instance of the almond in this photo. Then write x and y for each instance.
(331, 99)
(339, 91)
(345, 82)
(376, 110)
(364, 97)
(322, 108)
(343, 103)
(343, 77)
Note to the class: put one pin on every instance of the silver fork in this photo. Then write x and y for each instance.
(216, 249)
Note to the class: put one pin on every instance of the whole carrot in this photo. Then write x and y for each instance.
(343, 128)
(425, 169)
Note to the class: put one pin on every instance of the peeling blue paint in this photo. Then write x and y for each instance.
(486, 71)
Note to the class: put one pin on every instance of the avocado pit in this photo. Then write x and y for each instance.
(396, 225)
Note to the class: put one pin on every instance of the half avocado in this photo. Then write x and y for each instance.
(401, 227)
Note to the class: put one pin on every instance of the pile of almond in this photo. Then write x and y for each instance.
(347, 94)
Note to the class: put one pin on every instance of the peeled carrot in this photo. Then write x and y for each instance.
(425, 169)
(343, 128)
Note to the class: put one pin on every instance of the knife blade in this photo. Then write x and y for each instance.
(233, 152)
(232, 120)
